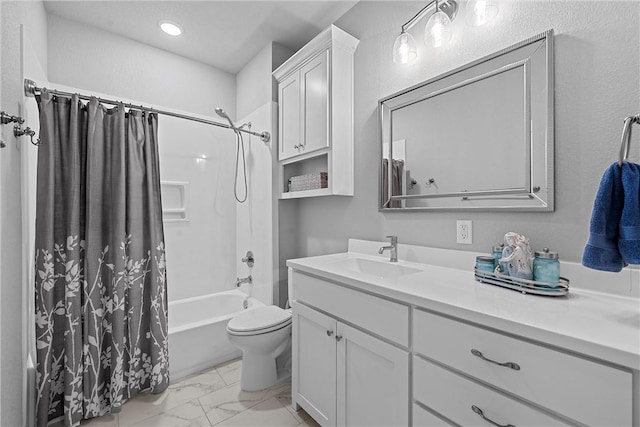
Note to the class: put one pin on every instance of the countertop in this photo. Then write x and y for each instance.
(600, 325)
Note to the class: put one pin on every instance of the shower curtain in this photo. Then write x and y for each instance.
(101, 300)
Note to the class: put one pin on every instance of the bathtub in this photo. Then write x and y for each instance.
(198, 334)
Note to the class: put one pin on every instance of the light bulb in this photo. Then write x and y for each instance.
(404, 49)
(170, 28)
(436, 32)
(479, 12)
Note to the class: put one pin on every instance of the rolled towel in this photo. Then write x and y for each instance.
(629, 232)
(601, 251)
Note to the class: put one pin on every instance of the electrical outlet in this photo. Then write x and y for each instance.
(464, 232)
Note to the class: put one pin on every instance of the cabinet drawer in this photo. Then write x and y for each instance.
(585, 391)
(454, 396)
(424, 418)
(385, 318)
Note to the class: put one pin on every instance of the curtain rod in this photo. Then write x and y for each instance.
(31, 90)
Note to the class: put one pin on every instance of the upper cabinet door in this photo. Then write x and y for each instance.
(314, 78)
(289, 117)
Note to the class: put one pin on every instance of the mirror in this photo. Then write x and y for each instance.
(477, 137)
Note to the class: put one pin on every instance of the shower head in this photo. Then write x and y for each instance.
(223, 114)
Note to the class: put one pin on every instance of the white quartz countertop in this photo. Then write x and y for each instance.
(600, 325)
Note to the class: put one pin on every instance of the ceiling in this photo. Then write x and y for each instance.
(223, 34)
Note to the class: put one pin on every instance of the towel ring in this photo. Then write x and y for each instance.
(626, 138)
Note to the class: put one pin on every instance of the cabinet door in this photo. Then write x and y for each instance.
(314, 364)
(289, 116)
(373, 380)
(314, 78)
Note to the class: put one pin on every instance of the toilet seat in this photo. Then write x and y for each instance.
(259, 321)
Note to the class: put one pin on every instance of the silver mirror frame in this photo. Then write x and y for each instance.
(537, 199)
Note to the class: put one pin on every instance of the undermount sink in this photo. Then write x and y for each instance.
(384, 269)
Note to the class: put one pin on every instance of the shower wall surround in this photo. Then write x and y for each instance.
(199, 250)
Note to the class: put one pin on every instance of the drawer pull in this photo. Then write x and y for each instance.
(329, 333)
(478, 411)
(511, 365)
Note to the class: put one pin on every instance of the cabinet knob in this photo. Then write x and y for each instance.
(511, 365)
(478, 411)
(329, 333)
(338, 338)
(296, 146)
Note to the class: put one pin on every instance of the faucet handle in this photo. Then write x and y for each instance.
(394, 239)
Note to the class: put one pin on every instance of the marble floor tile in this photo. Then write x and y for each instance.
(187, 414)
(230, 401)
(145, 405)
(266, 413)
(230, 371)
(285, 399)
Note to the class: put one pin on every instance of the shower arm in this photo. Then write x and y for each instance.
(31, 90)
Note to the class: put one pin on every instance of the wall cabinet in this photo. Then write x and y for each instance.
(315, 113)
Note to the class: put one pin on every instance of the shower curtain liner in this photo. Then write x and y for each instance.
(101, 300)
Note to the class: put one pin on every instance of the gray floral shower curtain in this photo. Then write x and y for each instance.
(101, 300)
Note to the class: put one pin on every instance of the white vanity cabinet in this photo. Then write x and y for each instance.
(464, 372)
(315, 113)
(350, 366)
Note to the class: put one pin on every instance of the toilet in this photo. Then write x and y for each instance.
(263, 334)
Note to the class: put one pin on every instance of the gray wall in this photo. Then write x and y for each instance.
(94, 60)
(597, 85)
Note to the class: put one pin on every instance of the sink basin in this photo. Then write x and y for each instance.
(376, 268)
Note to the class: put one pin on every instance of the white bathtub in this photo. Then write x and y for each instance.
(197, 331)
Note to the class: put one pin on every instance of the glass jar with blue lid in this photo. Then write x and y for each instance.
(484, 263)
(546, 266)
(496, 253)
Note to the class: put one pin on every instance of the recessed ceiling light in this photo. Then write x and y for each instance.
(171, 28)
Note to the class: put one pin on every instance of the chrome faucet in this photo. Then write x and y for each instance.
(240, 281)
(393, 247)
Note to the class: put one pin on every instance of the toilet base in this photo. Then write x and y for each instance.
(258, 372)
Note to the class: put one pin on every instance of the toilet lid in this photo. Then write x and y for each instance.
(259, 318)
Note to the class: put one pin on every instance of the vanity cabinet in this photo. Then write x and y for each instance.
(464, 372)
(344, 374)
(315, 113)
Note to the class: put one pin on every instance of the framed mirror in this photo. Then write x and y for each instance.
(477, 137)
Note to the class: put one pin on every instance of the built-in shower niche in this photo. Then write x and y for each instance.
(175, 201)
(312, 165)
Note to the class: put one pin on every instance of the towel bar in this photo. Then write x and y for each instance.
(626, 138)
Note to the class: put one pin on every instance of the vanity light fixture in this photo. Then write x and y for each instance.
(436, 32)
(170, 28)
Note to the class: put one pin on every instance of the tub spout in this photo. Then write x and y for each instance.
(240, 281)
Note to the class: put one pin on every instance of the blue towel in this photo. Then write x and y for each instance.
(629, 232)
(601, 252)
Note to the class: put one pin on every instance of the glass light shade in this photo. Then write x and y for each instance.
(479, 12)
(436, 32)
(404, 49)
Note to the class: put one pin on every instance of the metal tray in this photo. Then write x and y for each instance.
(523, 285)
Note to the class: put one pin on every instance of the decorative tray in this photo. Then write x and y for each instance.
(523, 285)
